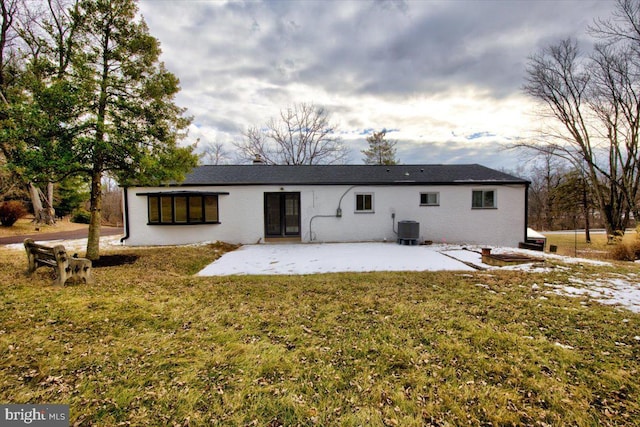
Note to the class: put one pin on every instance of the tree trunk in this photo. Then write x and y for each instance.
(95, 208)
(36, 203)
(93, 241)
(50, 195)
(42, 214)
(587, 230)
(585, 210)
(615, 224)
(49, 213)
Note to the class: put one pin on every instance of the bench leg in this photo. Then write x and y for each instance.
(81, 268)
(83, 271)
(31, 258)
(62, 276)
(32, 264)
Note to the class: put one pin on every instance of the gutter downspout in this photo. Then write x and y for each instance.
(526, 210)
(126, 214)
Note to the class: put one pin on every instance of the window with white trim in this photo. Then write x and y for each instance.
(364, 202)
(484, 199)
(430, 199)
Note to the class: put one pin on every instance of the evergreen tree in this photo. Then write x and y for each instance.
(9, 71)
(133, 125)
(71, 194)
(381, 151)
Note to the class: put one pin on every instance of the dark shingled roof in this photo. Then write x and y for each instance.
(346, 175)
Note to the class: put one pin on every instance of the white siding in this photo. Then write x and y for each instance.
(241, 215)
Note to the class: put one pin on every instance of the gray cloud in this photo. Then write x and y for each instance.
(380, 47)
(240, 62)
(491, 154)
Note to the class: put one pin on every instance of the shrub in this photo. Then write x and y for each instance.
(11, 211)
(615, 238)
(628, 251)
(81, 216)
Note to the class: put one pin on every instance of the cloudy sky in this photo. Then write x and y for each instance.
(444, 76)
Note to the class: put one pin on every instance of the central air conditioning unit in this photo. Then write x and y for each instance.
(408, 232)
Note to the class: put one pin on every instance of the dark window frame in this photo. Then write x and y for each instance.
(361, 207)
(426, 198)
(209, 206)
(483, 199)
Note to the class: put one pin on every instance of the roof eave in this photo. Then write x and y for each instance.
(373, 183)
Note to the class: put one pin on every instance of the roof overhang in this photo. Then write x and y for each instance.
(183, 193)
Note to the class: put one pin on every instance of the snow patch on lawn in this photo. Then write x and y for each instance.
(77, 245)
(294, 259)
(619, 289)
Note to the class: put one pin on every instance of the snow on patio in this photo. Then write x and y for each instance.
(332, 258)
(352, 257)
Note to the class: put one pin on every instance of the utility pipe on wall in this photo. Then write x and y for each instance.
(311, 222)
(338, 213)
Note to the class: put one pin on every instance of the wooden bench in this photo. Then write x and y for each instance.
(56, 257)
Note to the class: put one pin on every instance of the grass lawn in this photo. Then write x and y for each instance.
(575, 244)
(150, 344)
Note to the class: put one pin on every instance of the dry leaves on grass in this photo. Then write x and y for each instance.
(149, 341)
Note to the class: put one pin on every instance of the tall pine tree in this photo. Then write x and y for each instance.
(134, 126)
(381, 151)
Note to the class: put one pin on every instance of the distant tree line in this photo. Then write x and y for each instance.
(560, 197)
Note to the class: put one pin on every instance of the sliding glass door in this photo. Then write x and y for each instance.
(282, 214)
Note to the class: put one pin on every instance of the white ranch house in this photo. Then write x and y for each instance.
(248, 204)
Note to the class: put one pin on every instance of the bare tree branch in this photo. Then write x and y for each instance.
(595, 100)
(214, 154)
(302, 134)
(8, 13)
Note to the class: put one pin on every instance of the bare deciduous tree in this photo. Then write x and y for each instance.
(302, 134)
(596, 102)
(545, 176)
(214, 154)
(8, 33)
(111, 203)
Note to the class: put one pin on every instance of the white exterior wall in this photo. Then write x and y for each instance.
(241, 215)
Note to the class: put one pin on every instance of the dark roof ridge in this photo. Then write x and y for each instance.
(261, 174)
